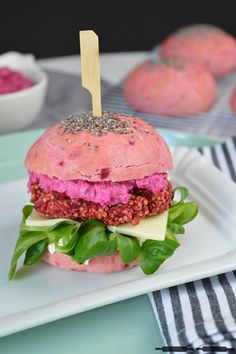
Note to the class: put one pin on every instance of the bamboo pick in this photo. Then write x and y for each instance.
(89, 52)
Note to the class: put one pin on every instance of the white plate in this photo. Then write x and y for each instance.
(42, 293)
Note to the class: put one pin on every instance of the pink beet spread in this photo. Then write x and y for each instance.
(13, 81)
(105, 193)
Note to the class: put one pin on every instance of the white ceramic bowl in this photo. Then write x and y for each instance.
(19, 109)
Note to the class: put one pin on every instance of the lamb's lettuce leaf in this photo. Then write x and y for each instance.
(154, 253)
(35, 252)
(24, 242)
(128, 247)
(93, 241)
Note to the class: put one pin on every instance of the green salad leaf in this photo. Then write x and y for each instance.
(34, 240)
(24, 242)
(93, 241)
(35, 252)
(154, 253)
(100, 248)
(181, 212)
(183, 195)
(69, 246)
(63, 231)
(91, 238)
(128, 247)
(176, 228)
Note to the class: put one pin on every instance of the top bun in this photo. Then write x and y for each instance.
(114, 147)
(206, 44)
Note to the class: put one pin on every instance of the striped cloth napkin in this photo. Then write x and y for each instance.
(203, 312)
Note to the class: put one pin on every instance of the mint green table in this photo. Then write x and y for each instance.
(126, 327)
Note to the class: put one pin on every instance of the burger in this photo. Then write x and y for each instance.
(101, 200)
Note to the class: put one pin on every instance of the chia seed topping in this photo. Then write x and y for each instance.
(108, 122)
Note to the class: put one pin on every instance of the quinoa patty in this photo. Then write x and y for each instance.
(141, 204)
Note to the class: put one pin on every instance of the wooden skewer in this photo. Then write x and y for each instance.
(89, 52)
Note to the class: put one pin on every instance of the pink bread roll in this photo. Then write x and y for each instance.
(138, 151)
(107, 264)
(205, 44)
(233, 101)
(170, 87)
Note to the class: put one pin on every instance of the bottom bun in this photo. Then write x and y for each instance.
(103, 264)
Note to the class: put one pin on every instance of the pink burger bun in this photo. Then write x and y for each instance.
(170, 87)
(110, 157)
(204, 44)
(107, 264)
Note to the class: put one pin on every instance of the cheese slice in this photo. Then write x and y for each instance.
(36, 219)
(152, 227)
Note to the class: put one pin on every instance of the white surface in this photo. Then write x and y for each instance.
(42, 293)
(114, 66)
(19, 109)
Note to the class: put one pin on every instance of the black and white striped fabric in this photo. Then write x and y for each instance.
(203, 312)
(218, 121)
